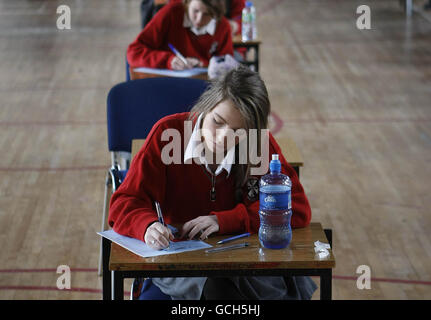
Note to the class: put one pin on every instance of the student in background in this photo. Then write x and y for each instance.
(196, 28)
(233, 12)
(207, 193)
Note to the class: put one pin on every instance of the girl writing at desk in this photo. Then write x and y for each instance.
(196, 28)
(208, 190)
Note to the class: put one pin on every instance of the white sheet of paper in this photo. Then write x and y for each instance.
(173, 73)
(141, 249)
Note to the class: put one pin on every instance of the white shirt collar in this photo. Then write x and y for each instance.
(195, 150)
(209, 28)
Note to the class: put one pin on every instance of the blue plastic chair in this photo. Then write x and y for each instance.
(127, 70)
(133, 107)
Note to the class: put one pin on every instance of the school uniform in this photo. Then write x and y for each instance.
(188, 189)
(172, 25)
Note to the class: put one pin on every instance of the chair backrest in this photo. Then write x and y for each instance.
(133, 107)
(127, 70)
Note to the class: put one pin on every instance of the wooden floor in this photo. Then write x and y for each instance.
(356, 102)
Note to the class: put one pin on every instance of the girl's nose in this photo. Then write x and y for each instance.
(198, 18)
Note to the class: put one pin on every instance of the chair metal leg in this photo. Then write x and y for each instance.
(108, 186)
(117, 285)
(409, 8)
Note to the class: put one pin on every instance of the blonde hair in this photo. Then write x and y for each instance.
(248, 93)
(216, 8)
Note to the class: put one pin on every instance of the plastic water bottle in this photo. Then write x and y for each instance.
(275, 207)
(253, 21)
(248, 29)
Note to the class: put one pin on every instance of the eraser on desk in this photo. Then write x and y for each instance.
(319, 244)
(323, 254)
(321, 249)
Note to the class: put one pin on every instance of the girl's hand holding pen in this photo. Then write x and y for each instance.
(203, 224)
(178, 64)
(158, 236)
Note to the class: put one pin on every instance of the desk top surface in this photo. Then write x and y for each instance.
(299, 255)
(237, 40)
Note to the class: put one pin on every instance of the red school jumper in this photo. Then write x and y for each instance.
(150, 49)
(183, 191)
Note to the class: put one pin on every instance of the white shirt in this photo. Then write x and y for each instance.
(196, 150)
(209, 28)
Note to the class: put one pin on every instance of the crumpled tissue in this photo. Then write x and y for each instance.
(219, 65)
(321, 249)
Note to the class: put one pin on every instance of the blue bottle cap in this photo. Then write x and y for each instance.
(275, 164)
(248, 4)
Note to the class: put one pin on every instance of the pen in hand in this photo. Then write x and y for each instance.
(179, 55)
(159, 213)
(160, 217)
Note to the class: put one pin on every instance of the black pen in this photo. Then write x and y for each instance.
(159, 213)
(161, 220)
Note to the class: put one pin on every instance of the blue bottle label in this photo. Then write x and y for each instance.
(275, 200)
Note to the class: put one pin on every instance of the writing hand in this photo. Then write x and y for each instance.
(204, 224)
(194, 62)
(178, 64)
(158, 236)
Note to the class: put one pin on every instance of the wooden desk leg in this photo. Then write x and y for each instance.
(328, 234)
(326, 285)
(257, 61)
(117, 285)
(106, 275)
(296, 168)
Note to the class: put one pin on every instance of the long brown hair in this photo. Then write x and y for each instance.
(248, 93)
(216, 8)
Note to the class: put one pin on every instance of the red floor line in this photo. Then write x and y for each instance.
(46, 288)
(404, 281)
(50, 123)
(99, 291)
(358, 120)
(49, 169)
(336, 277)
(47, 270)
(277, 120)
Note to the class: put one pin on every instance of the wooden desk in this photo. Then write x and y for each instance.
(143, 75)
(299, 259)
(287, 145)
(252, 44)
(237, 43)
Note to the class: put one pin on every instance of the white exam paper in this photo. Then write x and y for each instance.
(173, 73)
(141, 249)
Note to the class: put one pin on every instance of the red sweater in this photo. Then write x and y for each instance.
(150, 49)
(183, 191)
